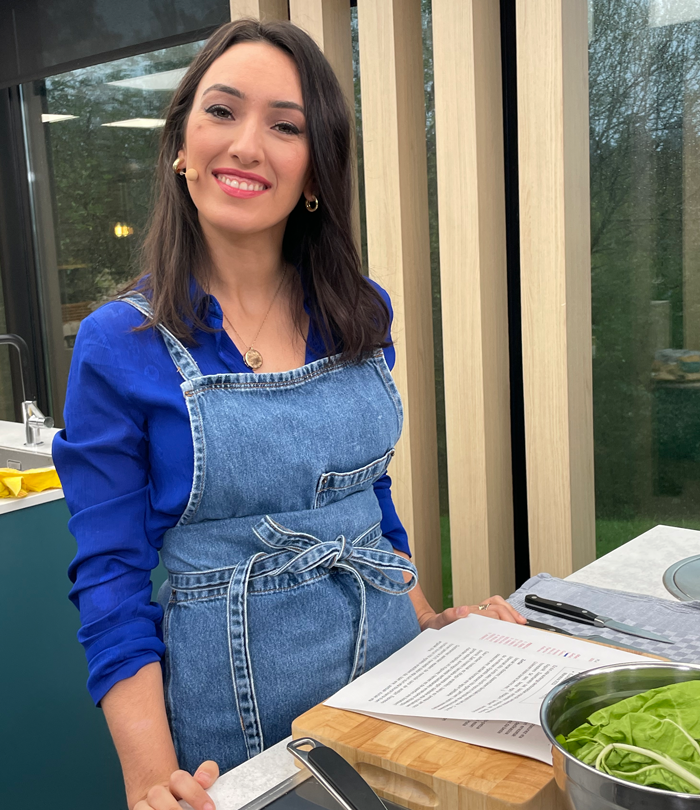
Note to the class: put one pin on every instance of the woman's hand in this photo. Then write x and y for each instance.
(182, 785)
(497, 608)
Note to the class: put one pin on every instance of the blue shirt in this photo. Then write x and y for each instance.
(125, 460)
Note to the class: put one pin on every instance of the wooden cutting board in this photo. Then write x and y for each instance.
(419, 770)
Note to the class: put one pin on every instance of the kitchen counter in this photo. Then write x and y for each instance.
(12, 435)
(49, 722)
(638, 566)
(240, 786)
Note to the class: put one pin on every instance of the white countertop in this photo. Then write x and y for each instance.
(638, 566)
(12, 435)
(240, 786)
(31, 499)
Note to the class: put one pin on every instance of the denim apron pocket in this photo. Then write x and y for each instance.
(333, 486)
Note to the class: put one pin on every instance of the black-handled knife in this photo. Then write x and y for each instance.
(578, 614)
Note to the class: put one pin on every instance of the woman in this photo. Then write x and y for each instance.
(235, 410)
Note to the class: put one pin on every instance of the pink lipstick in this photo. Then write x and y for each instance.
(240, 184)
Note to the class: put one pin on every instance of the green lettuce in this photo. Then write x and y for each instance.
(651, 738)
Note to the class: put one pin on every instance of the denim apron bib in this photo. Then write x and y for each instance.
(281, 587)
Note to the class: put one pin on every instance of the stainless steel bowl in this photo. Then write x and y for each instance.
(569, 704)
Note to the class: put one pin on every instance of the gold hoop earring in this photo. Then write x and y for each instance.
(312, 204)
(176, 165)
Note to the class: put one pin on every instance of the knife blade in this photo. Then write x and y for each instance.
(550, 627)
(601, 639)
(578, 614)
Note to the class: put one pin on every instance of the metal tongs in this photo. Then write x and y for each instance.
(336, 775)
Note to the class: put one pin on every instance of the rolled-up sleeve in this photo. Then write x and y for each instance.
(102, 460)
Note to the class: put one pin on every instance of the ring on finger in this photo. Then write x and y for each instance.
(485, 607)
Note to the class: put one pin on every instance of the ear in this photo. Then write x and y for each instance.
(310, 188)
(182, 153)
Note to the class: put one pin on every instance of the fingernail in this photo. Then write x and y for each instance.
(208, 806)
(462, 611)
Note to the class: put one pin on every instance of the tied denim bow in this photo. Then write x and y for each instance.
(299, 553)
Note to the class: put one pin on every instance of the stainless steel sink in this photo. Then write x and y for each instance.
(24, 459)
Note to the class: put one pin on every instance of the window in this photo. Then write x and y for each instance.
(92, 139)
(644, 81)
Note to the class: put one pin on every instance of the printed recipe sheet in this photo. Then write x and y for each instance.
(477, 680)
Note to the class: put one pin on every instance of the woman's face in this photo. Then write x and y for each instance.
(246, 137)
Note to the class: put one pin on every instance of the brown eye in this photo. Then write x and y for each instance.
(219, 111)
(287, 128)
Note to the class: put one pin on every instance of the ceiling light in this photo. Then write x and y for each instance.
(121, 229)
(138, 123)
(167, 80)
(50, 118)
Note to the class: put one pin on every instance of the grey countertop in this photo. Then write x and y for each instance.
(638, 566)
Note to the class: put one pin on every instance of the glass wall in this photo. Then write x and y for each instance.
(7, 410)
(92, 137)
(644, 78)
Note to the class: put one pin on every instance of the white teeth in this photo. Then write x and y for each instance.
(243, 185)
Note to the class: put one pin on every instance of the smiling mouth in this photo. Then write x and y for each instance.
(243, 185)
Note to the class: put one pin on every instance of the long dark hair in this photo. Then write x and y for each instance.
(348, 312)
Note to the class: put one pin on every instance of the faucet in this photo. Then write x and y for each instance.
(32, 417)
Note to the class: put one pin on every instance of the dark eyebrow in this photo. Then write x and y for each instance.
(224, 88)
(232, 91)
(287, 105)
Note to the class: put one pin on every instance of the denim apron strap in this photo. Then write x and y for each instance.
(239, 655)
(367, 564)
(185, 363)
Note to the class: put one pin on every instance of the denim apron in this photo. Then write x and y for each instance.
(281, 587)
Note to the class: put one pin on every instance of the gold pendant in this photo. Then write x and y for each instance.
(253, 359)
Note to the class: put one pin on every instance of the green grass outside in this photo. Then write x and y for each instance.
(610, 534)
(446, 561)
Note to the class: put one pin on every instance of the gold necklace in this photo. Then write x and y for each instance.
(252, 357)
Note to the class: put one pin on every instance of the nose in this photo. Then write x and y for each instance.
(246, 145)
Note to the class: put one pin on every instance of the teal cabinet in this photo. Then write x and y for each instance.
(55, 748)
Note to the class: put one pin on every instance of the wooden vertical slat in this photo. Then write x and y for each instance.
(552, 59)
(328, 22)
(393, 126)
(471, 205)
(259, 9)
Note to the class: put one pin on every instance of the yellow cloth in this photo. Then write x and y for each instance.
(17, 483)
